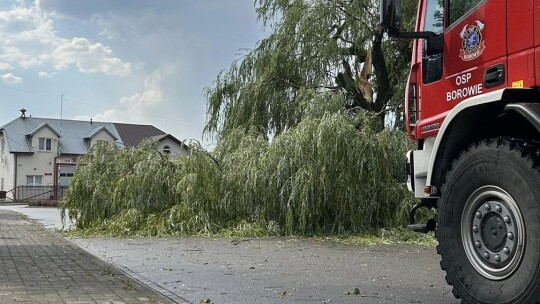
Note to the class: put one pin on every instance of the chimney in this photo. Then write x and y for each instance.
(23, 113)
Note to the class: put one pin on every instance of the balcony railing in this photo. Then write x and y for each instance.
(38, 193)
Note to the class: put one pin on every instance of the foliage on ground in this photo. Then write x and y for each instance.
(388, 236)
(330, 174)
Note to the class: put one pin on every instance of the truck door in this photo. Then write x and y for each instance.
(521, 36)
(473, 60)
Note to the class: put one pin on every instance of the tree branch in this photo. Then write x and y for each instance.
(384, 88)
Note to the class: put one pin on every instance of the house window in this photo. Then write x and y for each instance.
(167, 150)
(34, 180)
(45, 144)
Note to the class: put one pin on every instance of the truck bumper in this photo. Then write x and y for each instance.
(409, 170)
(416, 168)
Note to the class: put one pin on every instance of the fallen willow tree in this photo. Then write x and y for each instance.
(332, 174)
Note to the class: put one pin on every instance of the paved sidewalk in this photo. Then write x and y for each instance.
(40, 266)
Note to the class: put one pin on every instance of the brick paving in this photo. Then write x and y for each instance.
(40, 266)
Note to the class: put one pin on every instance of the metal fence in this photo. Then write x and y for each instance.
(38, 193)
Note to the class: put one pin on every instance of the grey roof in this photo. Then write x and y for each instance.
(72, 133)
(41, 126)
(176, 140)
(133, 134)
(96, 131)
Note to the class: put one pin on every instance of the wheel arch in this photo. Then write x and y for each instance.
(505, 112)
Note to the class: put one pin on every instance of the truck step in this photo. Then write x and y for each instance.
(423, 228)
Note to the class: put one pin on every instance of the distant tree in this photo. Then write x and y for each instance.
(330, 48)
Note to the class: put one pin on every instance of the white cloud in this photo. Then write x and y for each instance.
(15, 56)
(9, 78)
(5, 66)
(28, 61)
(83, 117)
(45, 75)
(20, 13)
(134, 108)
(107, 34)
(29, 39)
(42, 31)
(89, 58)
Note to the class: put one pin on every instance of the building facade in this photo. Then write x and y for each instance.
(42, 153)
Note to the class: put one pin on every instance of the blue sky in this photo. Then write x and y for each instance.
(133, 61)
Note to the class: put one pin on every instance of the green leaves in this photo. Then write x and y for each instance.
(329, 174)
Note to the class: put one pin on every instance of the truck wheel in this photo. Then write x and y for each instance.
(489, 223)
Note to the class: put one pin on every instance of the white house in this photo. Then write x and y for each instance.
(37, 154)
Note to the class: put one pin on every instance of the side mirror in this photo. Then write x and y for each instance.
(391, 15)
(434, 45)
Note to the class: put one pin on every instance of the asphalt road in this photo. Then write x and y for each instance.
(279, 270)
(270, 270)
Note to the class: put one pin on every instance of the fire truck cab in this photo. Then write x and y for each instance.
(473, 106)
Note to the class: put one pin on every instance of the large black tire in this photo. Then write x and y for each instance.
(489, 223)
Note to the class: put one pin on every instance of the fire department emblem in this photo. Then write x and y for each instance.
(473, 44)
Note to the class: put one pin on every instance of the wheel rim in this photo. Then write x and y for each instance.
(493, 232)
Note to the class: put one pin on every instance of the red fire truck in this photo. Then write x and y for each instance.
(473, 107)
